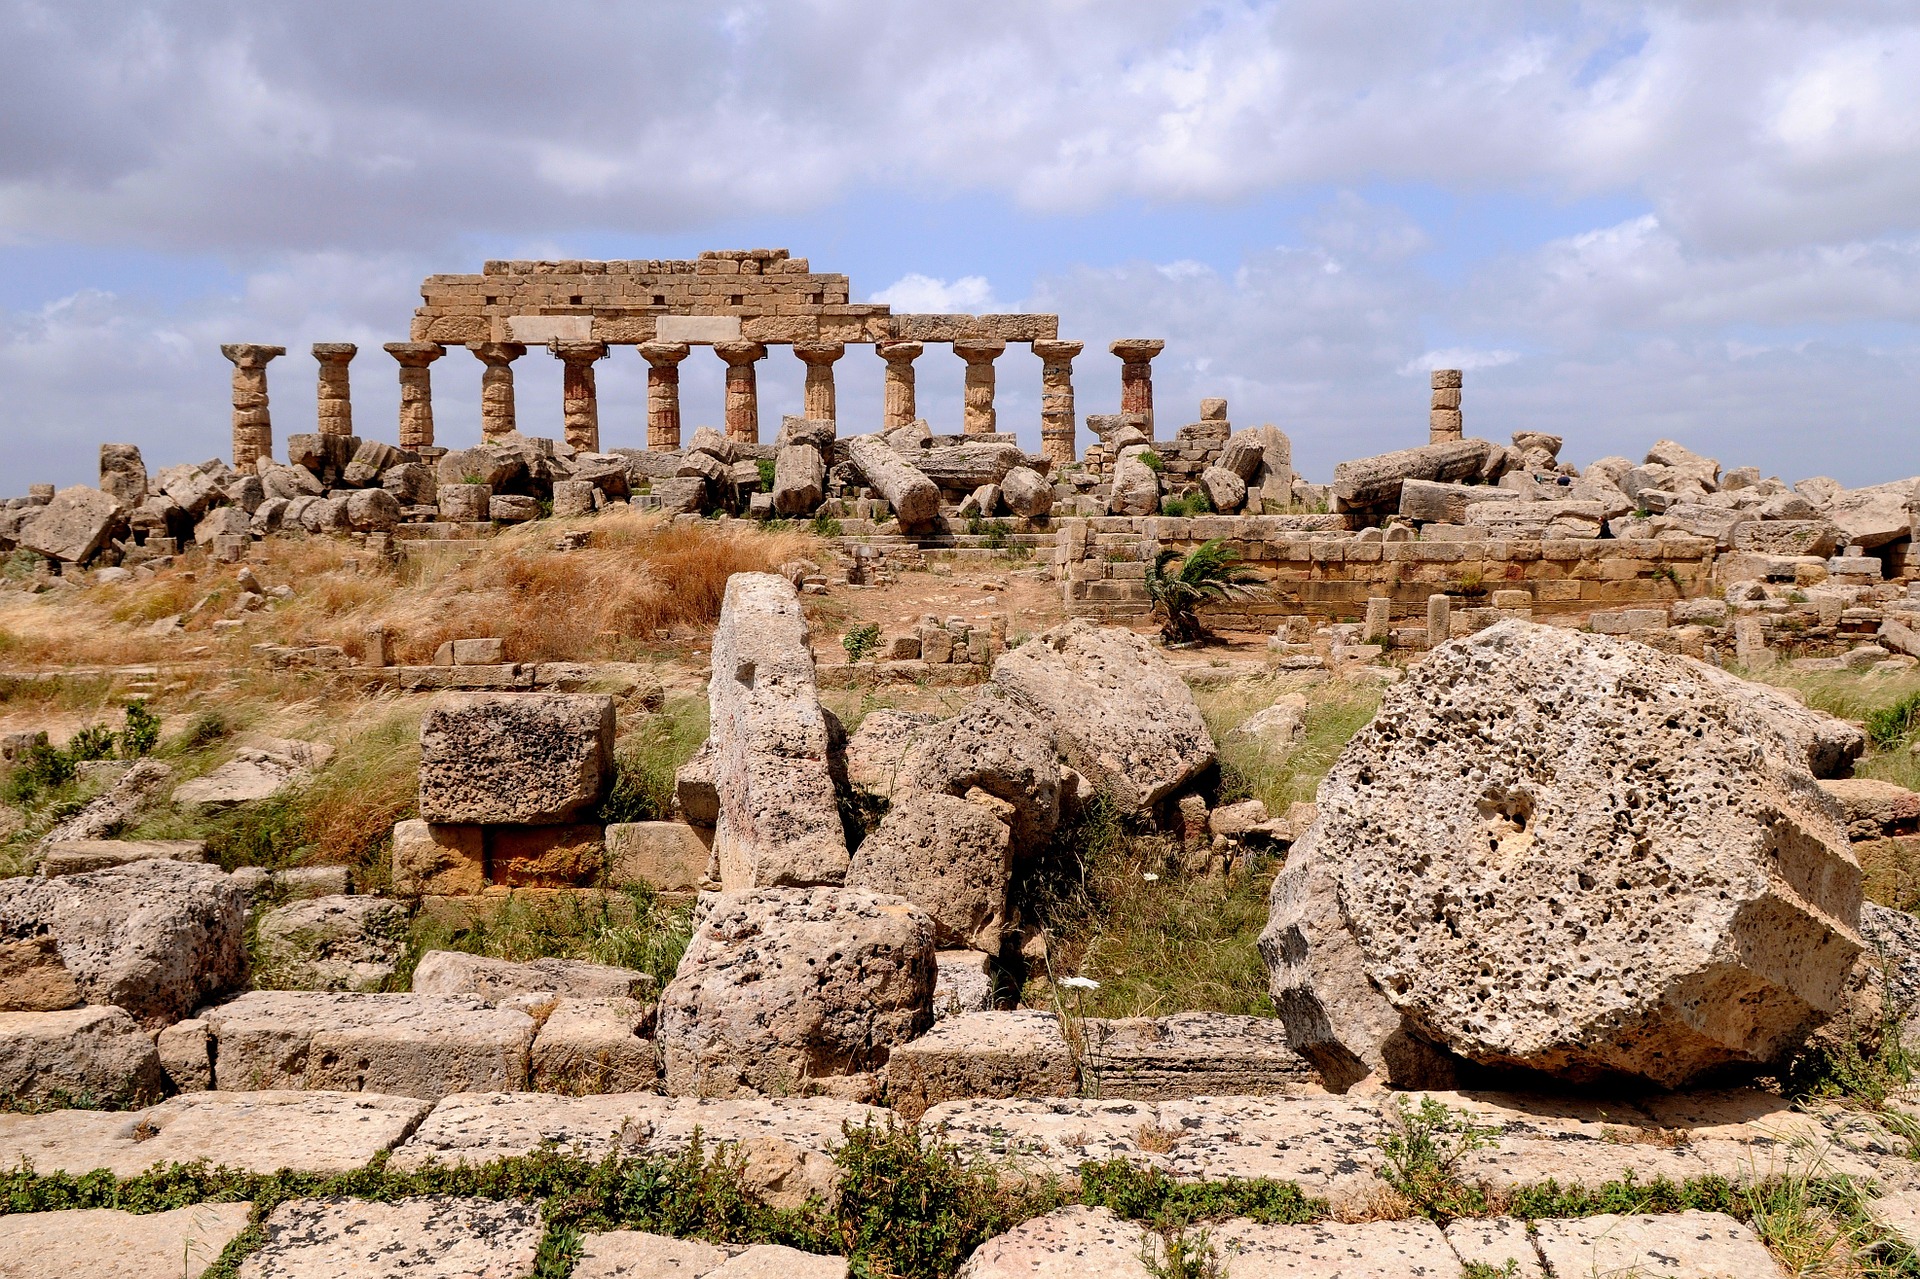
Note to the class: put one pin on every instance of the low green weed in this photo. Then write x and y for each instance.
(1423, 1150)
(861, 641)
(647, 758)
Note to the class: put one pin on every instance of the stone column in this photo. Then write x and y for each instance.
(336, 399)
(743, 389)
(252, 424)
(899, 409)
(979, 353)
(579, 401)
(819, 358)
(496, 387)
(663, 392)
(416, 390)
(1136, 378)
(1443, 418)
(1056, 398)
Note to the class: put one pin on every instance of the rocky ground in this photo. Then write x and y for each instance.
(320, 968)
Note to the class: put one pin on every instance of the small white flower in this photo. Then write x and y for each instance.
(1150, 877)
(1080, 983)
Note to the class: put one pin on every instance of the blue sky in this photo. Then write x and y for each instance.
(1627, 221)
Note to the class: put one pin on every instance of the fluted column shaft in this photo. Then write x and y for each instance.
(252, 423)
(335, 399)
(743, 389)
(497, 414)
(979, 353)
(821, 405)
(1136, 378)
(899, 408)
(579, 397)
(663, 392)
(416, 390)
(1056, 398)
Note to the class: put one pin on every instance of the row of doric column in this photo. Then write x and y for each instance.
(253, 432)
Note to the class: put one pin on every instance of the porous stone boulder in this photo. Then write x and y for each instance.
(123, 475)
(915, 498)
(1118, 712)
(951, 858)
(799, 479)
(330, 943)
(876, 751)
(452, 972)
(89, 1057)
(595, 1046)
(74, 526)
(1227, 491)
(779, 821)
(998, 744)
(1027, 493)
(77, 1242)
(157, 938)
(248, 778)
(1376, 481)
(792, 990)
(1566, 853)
(528, 759)
(1874, 516)
(1135, 486)
(1021, 1053)
(137, 789)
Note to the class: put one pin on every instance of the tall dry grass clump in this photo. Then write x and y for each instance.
(640, 579)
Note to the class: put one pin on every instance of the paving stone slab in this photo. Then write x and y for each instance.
(633, 1254)
(1899, 1213)
(1681, 1245)
(478, 1127)
(1496, 1242)
(1191, 1055)
(1073, 1243)
(250, 1132)
(430, 1237)
(101, 1243)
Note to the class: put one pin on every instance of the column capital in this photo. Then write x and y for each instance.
(249, 355)
(979, 350)
(899, 352)
(1054, 350)
(577, 352)
(496, 354)
(334, 352)
(819, 352)
(740, 354)
(415, 355)
(1133, 350)
(663, 355)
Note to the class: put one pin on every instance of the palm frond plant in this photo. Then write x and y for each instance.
(1207, 572)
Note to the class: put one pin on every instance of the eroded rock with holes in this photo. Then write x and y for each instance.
(951, 858)
(790, 990)
(1567, 853)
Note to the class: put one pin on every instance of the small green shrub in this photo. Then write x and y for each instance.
(1423, 1150)
(765, 466)
(861, 641)
(142, 732)
(999, 534)
(95, 741)
(203, 731)
(826, 526)
(1152, 461)
(1890, 726)
(646, 760)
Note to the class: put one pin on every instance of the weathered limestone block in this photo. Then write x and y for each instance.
(962, 983)
(572, 498)
(1538, 519)
(452, 972)
(1026, 493)
(138, 789)
(1432, 503)
(249, 778)
(426, 1046)
(799, 479)
(595, 1046)
(1872, 517)
(79, 1242)
(1244, 454)
(522, 758)
(667, 855)
(1376, 481)
(961, 468)
(876, 751)
(1135, 485)
(1828, 746)
(1191, 1055)
(1875, 808)
(77, 856)
(984, 1054)
(694, 792)
(1000, 744)
(428, 1237)
(81, 1056)
(1227, 491)
(373, 511)
(157, 938)
(330, 943)
(784, 990)
(1567, 853)
(123, 475)
(1280, 729)
(1787, 537)
(74, 526)
(915, 498)
(951, 858)
(1119, 714)
(442, 860)
(464, 503)
(778, 822)
(617, 1253)
(1685, 1245)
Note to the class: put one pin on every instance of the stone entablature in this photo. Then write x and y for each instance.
(746, 295)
